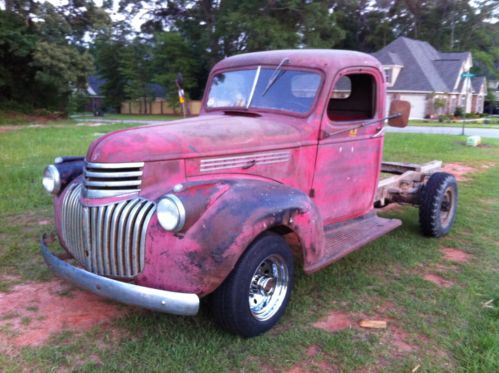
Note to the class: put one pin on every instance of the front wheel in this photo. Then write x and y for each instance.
(255, 295)
(438, 204)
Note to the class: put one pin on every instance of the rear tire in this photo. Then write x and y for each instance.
(255, 295)
(438, 204)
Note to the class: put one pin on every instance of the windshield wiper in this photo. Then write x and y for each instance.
(275, 75)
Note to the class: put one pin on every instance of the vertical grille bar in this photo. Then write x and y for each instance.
(87, 239)
(108, 240)
(100, 253)
(106, 247)
(139, 228)
(129, 246)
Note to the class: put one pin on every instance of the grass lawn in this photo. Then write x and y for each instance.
(127, 117)
(454, 328)
(493, 123)
(16, 119)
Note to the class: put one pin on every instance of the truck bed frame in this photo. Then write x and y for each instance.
(405, 184)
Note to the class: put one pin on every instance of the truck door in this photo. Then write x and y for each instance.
(348, 159)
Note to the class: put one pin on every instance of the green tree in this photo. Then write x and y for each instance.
(44, 59)
(172, 55)
(216, 29)
(109, 66)
(17, 44)
(60, 70)
(137, 70)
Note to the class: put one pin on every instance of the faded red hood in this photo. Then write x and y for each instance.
(193, 137)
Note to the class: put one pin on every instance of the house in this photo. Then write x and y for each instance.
(433, 82)
(492, 106)
(494, 87)
(96, 97)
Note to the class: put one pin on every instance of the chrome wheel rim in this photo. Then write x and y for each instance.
(447, 207)
(268, 287)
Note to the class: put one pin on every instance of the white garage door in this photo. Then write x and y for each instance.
(418, 104)
(388, 102)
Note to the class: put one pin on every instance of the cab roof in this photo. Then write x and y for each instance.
(325, 59)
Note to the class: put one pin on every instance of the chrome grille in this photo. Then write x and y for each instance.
(108, 240)
(111, 179)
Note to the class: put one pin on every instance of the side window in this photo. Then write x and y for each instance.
(353, 98)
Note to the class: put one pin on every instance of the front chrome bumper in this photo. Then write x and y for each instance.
(135, 295)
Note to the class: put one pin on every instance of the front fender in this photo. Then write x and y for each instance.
(226, 218)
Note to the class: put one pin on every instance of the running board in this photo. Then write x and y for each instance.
(344, 238)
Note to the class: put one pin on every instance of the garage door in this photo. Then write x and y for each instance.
(388, 102)
(418, 104)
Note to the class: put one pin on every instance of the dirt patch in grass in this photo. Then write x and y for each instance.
(459, 170)
(462, 171)
(313, 350)
(335, 322)
(455, 255)
(314, 366)
(398, 343)
(29, 219)
(32, 312)
(399, 339)
(438, 280)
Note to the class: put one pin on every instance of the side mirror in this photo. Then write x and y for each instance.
(399, 113)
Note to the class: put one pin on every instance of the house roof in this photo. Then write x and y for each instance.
(477, 83)
(157, 89)
(95, 83)
(424, 68)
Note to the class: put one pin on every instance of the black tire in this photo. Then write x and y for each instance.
(230, 303)
(438, 204)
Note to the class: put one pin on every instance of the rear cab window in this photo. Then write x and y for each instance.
(353, 98)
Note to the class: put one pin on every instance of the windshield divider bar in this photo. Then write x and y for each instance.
(253, 88)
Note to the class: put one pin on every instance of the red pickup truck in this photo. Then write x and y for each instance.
(282, 165)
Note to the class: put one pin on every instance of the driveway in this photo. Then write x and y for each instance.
(484, 132)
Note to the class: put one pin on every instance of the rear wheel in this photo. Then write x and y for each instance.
(255, 295)
(438, 204)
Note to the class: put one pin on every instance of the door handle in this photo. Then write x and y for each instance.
(379, 133)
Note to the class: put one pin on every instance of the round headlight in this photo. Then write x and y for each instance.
(51, 179)
(171, 213)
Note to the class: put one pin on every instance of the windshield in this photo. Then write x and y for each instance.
(290, 90)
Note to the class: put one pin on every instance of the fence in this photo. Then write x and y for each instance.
(158, 108)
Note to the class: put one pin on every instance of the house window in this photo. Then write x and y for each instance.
(389, 75)
(452, 104)
(353, 98)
